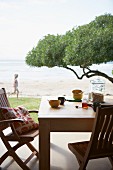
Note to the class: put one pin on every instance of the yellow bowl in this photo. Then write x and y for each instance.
(77, 94)
(54, 103)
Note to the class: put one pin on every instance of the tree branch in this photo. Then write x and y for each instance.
(90, 73)
(74, 72)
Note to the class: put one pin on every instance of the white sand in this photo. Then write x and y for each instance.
(53, 87)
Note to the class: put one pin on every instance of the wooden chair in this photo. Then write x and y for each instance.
(101, 141)
(20, 140)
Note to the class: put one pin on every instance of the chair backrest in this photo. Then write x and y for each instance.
(3, 98)
(101, 143)
(3, 103)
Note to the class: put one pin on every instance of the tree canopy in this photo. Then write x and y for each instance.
(82, 46)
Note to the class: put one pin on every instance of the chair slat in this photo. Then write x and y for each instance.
(111, 137)
(96, 133)
(101, 139)
(3, 99)
(108, 131)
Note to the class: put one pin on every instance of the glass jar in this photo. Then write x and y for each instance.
(97, 86)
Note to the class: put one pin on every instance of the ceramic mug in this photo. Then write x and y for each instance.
(62, 100)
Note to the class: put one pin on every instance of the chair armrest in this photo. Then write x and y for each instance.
(31, 111)
(11, 121)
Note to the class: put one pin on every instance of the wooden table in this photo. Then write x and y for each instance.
(65, 118)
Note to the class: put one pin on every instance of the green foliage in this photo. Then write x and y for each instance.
(82, 46)
(86, 45)
(48, 52)
(92, 43)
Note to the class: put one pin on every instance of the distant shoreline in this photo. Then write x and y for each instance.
(43, 81)
(53, 87)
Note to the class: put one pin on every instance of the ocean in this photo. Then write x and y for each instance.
(10, 67)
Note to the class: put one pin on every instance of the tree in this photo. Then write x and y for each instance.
(82, 46)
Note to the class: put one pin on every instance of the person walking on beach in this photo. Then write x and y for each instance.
(15, 85)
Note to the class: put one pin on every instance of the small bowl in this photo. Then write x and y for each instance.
(54, 103)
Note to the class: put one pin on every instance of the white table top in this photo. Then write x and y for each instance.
(68, 110)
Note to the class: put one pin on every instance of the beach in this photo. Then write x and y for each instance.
(43, 81)
(48, 87)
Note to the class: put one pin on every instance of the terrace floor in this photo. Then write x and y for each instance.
(61, 157)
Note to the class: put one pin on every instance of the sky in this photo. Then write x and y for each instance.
(24, 22)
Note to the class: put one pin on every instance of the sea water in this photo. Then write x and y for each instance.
(10, 67)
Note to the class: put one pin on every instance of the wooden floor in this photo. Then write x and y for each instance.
(61, 157)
